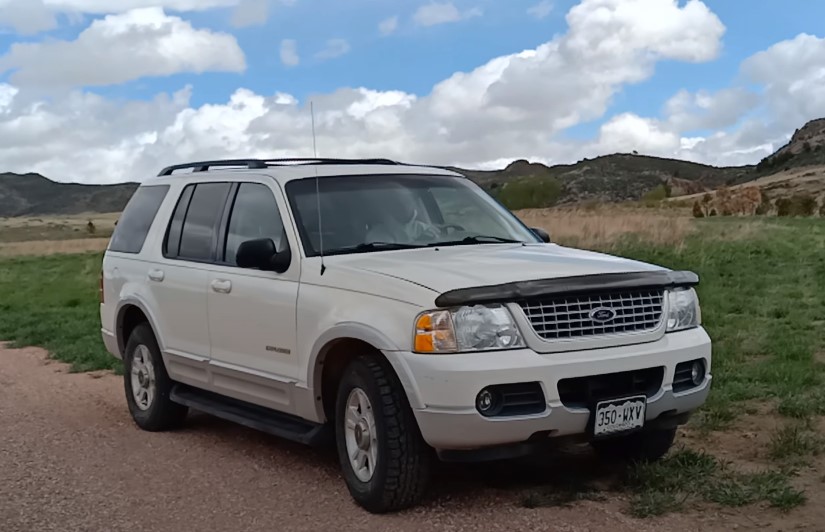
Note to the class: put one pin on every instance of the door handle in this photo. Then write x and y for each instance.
(222, 286)
(156, 275)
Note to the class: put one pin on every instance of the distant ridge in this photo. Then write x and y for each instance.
(609, 178)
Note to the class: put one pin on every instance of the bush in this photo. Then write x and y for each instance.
(764, 207)
(530, 193)
(697, 210)
(657, 194)
(798, 205)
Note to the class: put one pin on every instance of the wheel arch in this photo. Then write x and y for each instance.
(336, 348)
(130, 314)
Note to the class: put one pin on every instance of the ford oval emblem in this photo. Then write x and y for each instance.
(602, 314)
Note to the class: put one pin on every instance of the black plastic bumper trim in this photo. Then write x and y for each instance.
(580, 284)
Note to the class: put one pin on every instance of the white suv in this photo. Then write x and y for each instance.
(397, 309)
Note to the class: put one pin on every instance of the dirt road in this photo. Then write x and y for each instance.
(72, 460)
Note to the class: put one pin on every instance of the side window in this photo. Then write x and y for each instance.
(171, 245)
(133, 225)
(462, 210)
(254, 215)
(198, 236)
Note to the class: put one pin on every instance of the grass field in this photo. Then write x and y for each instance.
(763, 303)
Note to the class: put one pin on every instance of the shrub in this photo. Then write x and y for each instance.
(764, 207)
(783, 207)
(697, 210)
(657, 194)
(797, 205)
(530, 193)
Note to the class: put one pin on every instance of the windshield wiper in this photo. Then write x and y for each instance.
(372, 246)
(477, 239)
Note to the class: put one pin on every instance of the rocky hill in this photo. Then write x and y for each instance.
(616, 177)
(33, 194)
(609, 178)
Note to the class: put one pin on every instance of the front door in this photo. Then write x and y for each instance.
(252, 312)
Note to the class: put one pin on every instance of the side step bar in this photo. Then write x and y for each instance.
(253, 416)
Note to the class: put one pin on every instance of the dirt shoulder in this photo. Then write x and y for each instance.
(71, 459)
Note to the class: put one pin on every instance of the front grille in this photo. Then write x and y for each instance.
(562, 317)
(581, 392)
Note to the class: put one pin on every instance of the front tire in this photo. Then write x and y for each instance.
(645, 446)
(147, 384)
(385, 461)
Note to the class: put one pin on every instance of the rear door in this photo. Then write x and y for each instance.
(180, 279)
(252, 312)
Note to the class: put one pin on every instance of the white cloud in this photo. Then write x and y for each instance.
(388, 26)
(514, 106)
(541, 10)
(793, 74)
(289, 52)
(688, 111)
(250, 13)
(26, 16)
(628, 132)
(121, 6)
(35, 16)
(119, 48)
(436, 13)
(334, 48)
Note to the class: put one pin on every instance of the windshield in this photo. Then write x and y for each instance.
(383, 212)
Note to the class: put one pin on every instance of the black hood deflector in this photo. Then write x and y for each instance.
(581, 284)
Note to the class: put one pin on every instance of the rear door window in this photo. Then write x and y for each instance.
(133, 225)
(198, 239)
(254, 215)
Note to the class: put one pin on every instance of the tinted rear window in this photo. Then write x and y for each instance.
(199, 236)
(133, 225)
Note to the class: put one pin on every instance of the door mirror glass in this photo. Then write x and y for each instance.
(541, 233)
(261, 253)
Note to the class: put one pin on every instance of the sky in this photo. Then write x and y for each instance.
(105, 91)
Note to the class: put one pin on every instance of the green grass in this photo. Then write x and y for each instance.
(795, 443)
(763, 303)
(762, 286)
(53, 302)
(686, 477)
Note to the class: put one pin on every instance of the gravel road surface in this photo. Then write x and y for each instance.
(72, 460)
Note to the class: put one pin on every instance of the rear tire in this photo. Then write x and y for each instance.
(147, 384)
(645, 446)
(385, 462)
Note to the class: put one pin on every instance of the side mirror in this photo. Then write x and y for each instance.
(262, 254)
(542, 234)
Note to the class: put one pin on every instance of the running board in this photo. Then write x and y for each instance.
(253, 416)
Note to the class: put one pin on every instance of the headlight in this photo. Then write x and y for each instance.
(471, 328)
(684, 312)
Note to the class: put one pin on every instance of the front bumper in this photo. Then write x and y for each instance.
(442, 388)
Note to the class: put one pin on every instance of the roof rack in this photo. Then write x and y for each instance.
(204, 166)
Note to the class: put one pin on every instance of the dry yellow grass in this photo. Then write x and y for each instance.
(599, 227)
(603, 227)
(52, 247)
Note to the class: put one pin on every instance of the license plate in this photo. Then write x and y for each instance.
(619, 415)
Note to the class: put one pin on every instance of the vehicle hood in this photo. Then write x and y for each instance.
(451, 268)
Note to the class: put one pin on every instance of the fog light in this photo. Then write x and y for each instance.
(486, 401)
(697, 372)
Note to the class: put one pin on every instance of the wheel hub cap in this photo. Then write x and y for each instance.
(360, 435)
(142, 376)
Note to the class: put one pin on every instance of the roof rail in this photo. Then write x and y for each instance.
(204, 166)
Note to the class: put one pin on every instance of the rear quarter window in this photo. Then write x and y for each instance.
(136, 219)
